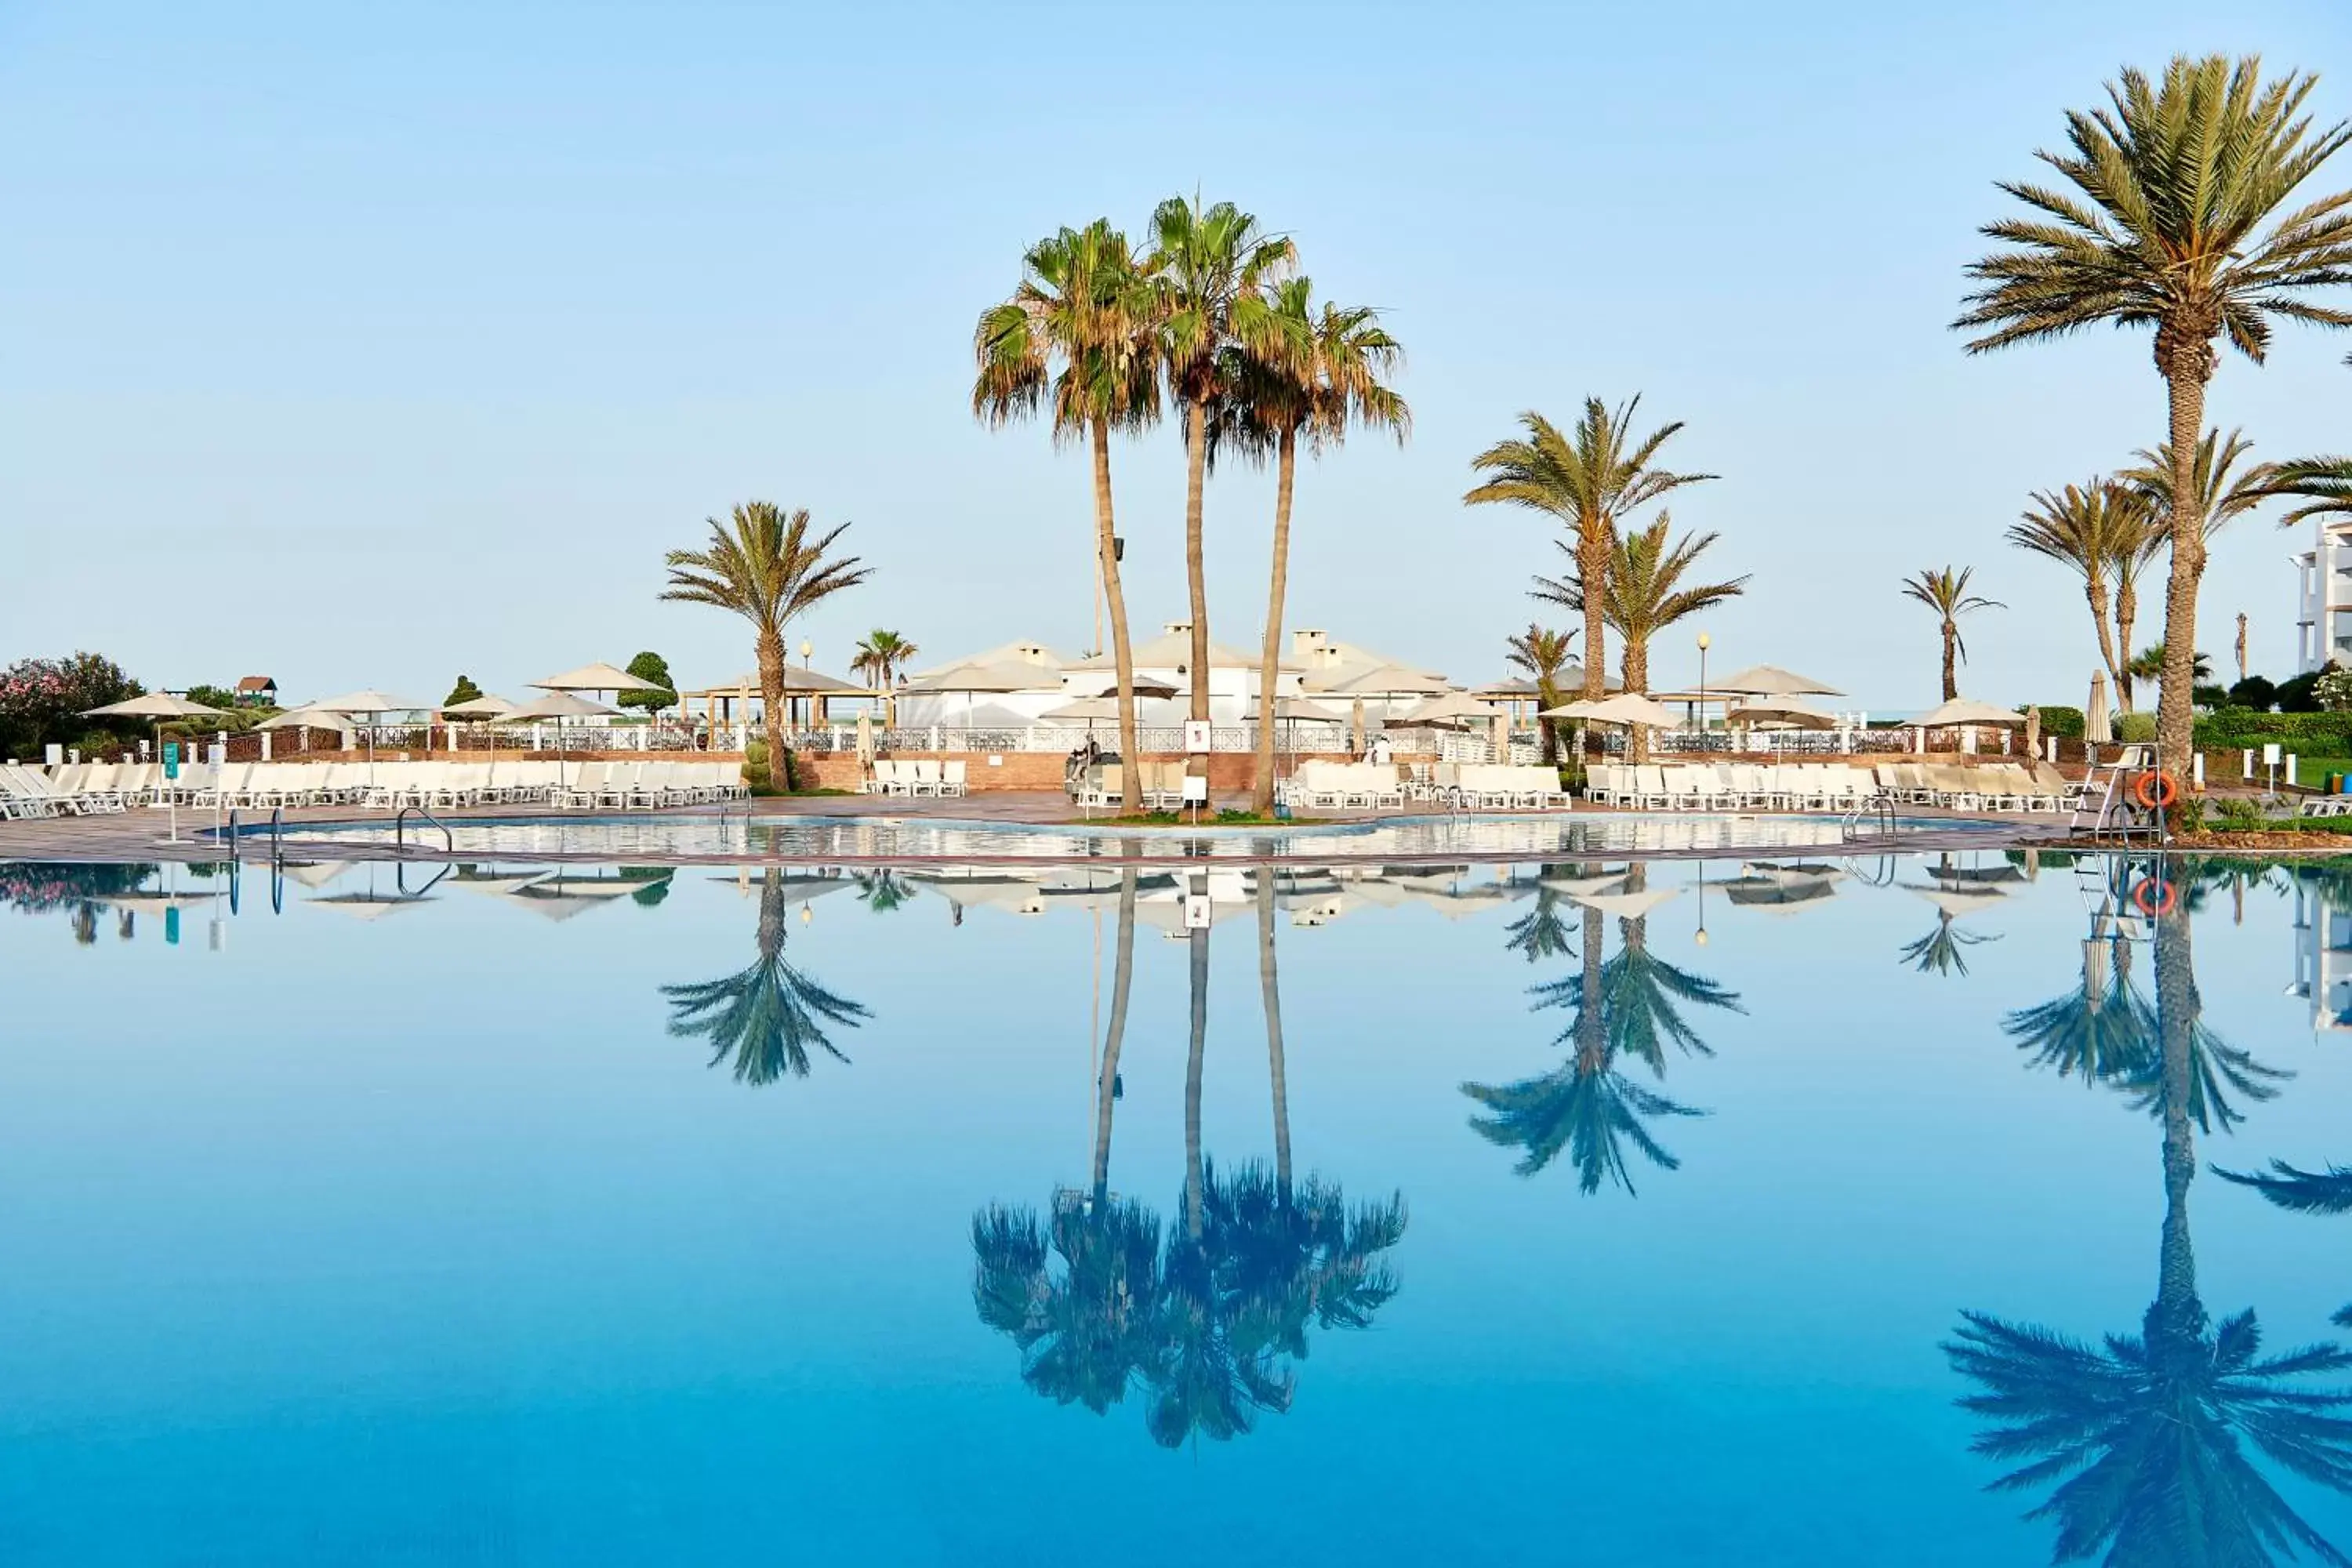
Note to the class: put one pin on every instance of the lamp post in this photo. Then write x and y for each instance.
(1703, 643)
(808, 651)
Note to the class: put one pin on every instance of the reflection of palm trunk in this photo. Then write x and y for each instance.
(1199, 942)
(1105, 1087)
(772, 915)
(1635, 932)
(1589, 1036)
(1271, 988)
(2178, 1313)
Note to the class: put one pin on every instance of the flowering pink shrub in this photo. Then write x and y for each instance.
(42, 701)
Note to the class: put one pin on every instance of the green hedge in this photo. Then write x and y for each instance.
(2313, 734)
(2066, 723)
(2135, 729)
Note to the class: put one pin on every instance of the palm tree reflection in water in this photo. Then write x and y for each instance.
(765, 1018)
(1625, 1007)
(1208, 1319)
(2139, 1437)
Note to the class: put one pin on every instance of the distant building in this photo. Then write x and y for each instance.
(2322, 621)
(256, 691)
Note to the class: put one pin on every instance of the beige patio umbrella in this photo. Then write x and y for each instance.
(1143, 686)
(487, 706)
(158, 706)
(307, 718)
(368, 704)
(1785, 712)
(1771, 680)
(598, 677)
(1966, 710)
(1625, 708)
(557, 706)
(1453, 710)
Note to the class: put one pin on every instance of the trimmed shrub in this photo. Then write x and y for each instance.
(2312, 734)
(2066, 723)
(2253, 692)
(2295, 696)
(2135, 729)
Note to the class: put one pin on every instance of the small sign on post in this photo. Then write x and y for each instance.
(1197, 736)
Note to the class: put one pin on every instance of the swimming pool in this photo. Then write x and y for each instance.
(1566, 1210)
(673, 837)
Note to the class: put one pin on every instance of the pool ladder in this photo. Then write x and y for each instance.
(1879, 810)
(399, 825)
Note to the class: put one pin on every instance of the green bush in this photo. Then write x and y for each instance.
(2295, 696)
(2066, 723)
(2238, 814)
(2135, 729)
(2312, 734)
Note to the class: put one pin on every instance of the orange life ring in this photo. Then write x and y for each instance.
(2155, 790)
(2153, 896)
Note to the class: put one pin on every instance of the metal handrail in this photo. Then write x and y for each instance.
(277, 834)
(399, 828)
(1879, 808)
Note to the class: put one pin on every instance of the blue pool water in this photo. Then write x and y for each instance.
(715, 1215)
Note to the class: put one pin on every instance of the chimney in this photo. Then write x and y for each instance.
(1311, 647)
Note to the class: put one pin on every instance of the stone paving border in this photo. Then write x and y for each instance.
(137, 835)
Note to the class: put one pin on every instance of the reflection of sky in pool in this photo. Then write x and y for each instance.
(714, 1217)
(867, 837)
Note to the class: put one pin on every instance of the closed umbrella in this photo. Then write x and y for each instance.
(2098, 728)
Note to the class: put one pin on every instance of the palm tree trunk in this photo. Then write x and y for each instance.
(1196, 468)
(1131, 785)
(2178, 1313)
(2186, 359)
(2126, 612)
(1592, 573)
(1270, 988)
(1199, 942)
(1122, 976)
(1637, 679)
(2095, 588)
(771, 696)
(1269, 665)
(1547, 730)
(1951, 658)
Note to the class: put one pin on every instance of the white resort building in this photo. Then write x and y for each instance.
(2323, 619)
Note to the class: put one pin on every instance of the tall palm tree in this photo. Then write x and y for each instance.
(2101, 530)
(1543, 653)
(767, 569)
(766, 1017)
(1316, 375)
(1645, 596)
(1077, 335)
(880, 655)
(1587, 480)
(1204, 261)
(2176, 221)
(1946, 592)
(2140, 1437)
(2223, 492)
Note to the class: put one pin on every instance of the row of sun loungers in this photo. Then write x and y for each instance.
(1494, 786)
(915, 778)
(1833, 786)
(83, 788)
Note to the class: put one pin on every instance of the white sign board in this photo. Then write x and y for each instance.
(1196, 736)
(1196, 914)
(1196, 788)
(2271, 754)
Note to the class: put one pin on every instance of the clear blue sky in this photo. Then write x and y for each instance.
(370, 344)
